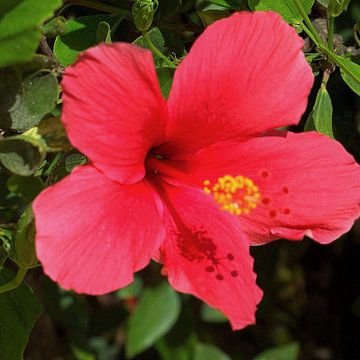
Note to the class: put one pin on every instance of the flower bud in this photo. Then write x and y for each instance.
(143, 12)
(54, 27)
(336, 7)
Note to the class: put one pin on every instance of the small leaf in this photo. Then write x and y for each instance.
(350, 72)
(74, 160)
(22, 154)
(132, 290)
(24, 102)
(284, 352)
(80, 35)
(209, 352)
(26, 187)
(19, 311)
(154, 316)
(286, 8)
(53, 132)
(157, 39)
(24, 249)
(165, 77)
(103, 32)
(210, 16)
(212, 315)
(321, 115)
(19, 28)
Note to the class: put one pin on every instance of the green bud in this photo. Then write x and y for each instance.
(336, 7)
(24, 251)
(143, 12)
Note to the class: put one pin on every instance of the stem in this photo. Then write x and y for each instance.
(45, 48)
(357, 39)
(96, 5)
(15, 282)
(308, 22)
(156, 51)
(309, 34)
(331, 21)
(325, 78)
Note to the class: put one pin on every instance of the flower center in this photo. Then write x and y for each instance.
(237, 195)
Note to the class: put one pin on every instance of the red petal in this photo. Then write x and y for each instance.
(113, 108)
(93, 233)
(206, 254)
(244, 75)
(309, 184)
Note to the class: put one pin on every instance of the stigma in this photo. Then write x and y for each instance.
(238, 195)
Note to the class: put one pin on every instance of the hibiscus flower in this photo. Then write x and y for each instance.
(193, 181)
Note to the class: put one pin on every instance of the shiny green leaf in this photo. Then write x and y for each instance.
(19, 311)
(24, 102)
(165, 77)
(286, 8)
(155, 314)
(209, 352)
(19, 28)
(25, 186)
(350, 72)
(321, 115)
(80, 35)
(22, 154)
(283, 352)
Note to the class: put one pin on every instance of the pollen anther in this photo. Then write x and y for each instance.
(237, 195)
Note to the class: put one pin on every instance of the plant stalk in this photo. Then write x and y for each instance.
(307, 20)
(156, 51)
(330, 40)
(15, 282)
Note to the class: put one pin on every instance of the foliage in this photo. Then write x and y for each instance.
(38, 40)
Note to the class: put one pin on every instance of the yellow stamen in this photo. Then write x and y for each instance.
(237, 195)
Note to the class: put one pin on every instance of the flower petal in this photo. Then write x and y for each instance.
(309, 184)
(206, 254)
(93, 233)
(113, 108)
(245, 74)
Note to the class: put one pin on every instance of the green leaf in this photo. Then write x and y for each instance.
(210, 16)
(284, 352)
(19, 28)
(74, 160)
(24, 249)
(157, 39)
(24, 102)
(53, 132)
(165, 76)
(80, 35)
(286, 8)
(320, 117)
(223, 3)
(6, 244)
(22, 154)
(132, 290)
(26, 187)
(212, 315)
(19, 311)
(154, 316)
(180, 341)
(103, 33)
(350, 72)
(209, 352)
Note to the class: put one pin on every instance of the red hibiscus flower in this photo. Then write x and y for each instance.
(192, 182)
